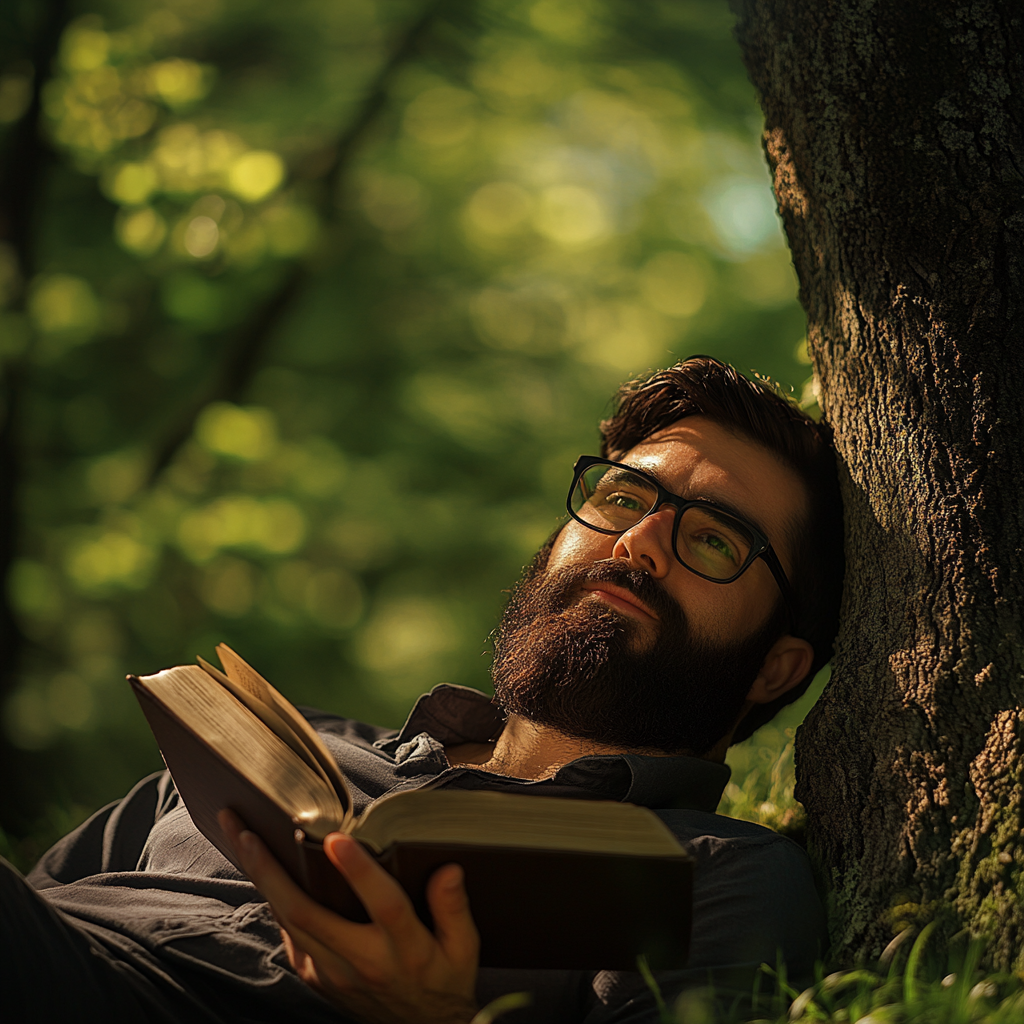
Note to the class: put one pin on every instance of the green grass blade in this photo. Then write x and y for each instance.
(496, 1007)
(652, 983)
(911, 991)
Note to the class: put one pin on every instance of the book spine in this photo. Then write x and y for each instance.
(325, 883)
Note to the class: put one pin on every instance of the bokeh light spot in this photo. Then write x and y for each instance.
(499, 208)
(742, 211)
(247, 434)
(503, 319)
(141, 231)
(255, 175)
(114, 478)
(622, 336)
(111, 559)
(333, 598)
(33, 590)
(571, 216)
(177, 82)
(275, 525)
(63, 303)
(133, 183)
(406, 633)
(201, 237)
(84, 47)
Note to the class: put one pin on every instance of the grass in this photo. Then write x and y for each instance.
(907, 987)
(897, 995)
(900, 993)
(763, 777)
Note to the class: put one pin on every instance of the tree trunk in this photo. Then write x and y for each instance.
(894, 134)
(23, 170)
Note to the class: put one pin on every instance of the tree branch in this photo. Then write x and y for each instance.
(236, 370)
(244, 353)
(377, 97)
(21, 179)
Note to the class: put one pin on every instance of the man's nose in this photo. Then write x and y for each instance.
(649, 545)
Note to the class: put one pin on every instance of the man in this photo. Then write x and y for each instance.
(692, 593)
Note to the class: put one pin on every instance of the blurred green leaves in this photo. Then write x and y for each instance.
(325, 300)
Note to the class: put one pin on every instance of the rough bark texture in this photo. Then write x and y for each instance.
(894, 131)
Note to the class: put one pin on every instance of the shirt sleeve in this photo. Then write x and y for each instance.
(111, 840)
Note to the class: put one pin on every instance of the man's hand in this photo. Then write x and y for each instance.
(391, 971)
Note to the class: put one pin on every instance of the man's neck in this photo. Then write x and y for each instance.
(527, 750)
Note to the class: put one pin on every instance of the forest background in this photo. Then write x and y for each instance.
(309, 308)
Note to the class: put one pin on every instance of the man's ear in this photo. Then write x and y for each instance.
(785, 665)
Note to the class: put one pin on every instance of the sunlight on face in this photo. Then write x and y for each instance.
(697, 458)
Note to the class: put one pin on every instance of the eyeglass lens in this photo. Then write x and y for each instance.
(612, 498)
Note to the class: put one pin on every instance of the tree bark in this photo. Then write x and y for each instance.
(894, 135)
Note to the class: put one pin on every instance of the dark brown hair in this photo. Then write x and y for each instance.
(756, 410)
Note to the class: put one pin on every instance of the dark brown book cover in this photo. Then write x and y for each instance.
(534, 908)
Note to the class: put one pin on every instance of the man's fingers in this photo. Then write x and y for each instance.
(232, 826)
(384, 899)
(296, 911)
(389, 906)
(318, 964)
(256, 860)
(453, 919)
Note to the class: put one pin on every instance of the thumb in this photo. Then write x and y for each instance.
(453, 921)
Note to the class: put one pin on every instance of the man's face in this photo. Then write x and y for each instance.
(697, 458)
(611, 638)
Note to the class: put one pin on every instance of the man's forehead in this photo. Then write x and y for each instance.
(697, 440)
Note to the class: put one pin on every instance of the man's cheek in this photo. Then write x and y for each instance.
(577, 544)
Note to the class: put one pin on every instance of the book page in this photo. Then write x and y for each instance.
(268, 716)
(243, 741)
(513, 820)
(247, 678)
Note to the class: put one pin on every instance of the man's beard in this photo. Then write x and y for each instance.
(582, 668)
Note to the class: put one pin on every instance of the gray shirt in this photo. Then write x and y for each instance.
(200, 944)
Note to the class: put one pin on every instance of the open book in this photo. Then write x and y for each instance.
(552, 882)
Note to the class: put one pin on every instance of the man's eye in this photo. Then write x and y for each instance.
(627, 501)
(718, 545)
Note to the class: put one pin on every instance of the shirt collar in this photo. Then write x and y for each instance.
(453, 714)
(458, 714)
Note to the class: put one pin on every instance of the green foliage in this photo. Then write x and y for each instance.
(763, 775)
(320, 311)
(925, 989)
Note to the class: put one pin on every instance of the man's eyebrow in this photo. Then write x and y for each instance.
(731, 510)
(710, 497)
(624, 471)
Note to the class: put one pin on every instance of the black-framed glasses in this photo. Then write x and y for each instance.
(611, 497)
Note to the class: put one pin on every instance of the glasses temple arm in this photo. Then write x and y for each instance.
(786, 588)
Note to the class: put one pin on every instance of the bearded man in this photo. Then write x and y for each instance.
(692, 593)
